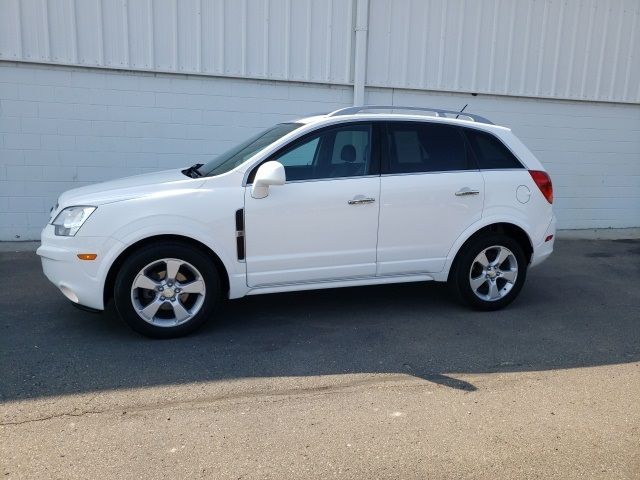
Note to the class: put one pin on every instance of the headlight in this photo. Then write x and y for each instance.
(69, 220)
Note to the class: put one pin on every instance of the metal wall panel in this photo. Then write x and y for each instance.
(576, 49)
(572, 49)
(304, 40)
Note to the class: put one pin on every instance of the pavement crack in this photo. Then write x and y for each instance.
(232, 399)
(51, 417)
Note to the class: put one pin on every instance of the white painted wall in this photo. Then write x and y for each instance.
(64, 127)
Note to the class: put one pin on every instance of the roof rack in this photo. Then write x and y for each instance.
(438, 112)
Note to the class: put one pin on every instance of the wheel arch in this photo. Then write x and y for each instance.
(512, 230)
(120, 259)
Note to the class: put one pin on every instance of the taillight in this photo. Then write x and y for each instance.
(543, 181)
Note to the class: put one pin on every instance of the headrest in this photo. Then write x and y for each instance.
(348, 153)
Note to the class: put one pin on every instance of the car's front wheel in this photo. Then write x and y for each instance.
(166, 290)
(490, 272)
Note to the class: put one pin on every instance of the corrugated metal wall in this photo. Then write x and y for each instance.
(572, 49)
(302, 40)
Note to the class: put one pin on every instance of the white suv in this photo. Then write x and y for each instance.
(361, 196)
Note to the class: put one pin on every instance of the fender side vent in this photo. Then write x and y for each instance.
(240, 233)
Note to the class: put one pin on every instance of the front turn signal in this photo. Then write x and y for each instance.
(87, 256)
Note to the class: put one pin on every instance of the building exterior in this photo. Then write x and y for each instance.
(92, 90)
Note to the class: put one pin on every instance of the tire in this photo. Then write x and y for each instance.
(495, 285)
(167, 290)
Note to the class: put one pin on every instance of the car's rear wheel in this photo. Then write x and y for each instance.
(166, 290)
(489, 272)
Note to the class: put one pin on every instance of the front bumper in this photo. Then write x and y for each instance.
(81, 281)
(544, 248)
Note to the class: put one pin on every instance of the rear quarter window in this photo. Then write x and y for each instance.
(416, 147)
(490, 152)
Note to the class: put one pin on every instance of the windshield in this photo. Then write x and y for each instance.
(237, 155)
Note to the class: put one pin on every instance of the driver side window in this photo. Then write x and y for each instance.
(332, 153)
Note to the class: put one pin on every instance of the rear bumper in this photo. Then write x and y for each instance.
(81, 281)
(544, 248)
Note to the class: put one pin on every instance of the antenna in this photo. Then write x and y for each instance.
(462, 110)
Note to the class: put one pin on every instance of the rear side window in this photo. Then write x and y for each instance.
(426, 147)
(491, 152)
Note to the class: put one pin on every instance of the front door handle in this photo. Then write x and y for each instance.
(361, 199)
(466, 191)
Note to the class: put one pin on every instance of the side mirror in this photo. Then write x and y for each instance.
(270, 173)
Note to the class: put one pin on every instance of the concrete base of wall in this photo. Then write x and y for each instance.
(600, 234)
(589, 234)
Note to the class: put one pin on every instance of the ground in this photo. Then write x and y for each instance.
(378, 382)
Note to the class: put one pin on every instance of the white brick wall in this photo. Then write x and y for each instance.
(591, 149)
(62, 127)
(65, 127)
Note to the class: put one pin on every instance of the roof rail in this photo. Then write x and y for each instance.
(437, 111)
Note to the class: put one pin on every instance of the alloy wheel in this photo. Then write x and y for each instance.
(168, 292)
(493, 273)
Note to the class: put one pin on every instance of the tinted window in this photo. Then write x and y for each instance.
(331, 153)
(426, 147)
(491, 152)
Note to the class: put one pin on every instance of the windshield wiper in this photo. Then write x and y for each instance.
(192, 171)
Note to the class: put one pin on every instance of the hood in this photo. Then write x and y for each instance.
(157, 183)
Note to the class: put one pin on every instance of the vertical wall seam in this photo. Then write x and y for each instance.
(360, 57)
(265, 38)
(627, 76)
(175, 58)
(572, 55)
(125, 33)
(603, 44)
(307, 56)
(287, 38)
(101, 55)
(443, 32)
(425, 43)
(507, 75)
(243, 46)
(74, 31)
(556, 55)
(476, 59)
(461, 15)
(543, 34)
(494, 34)
(47, 32)
(199, 60)
(349, 55)
(407, 46)
(151, 52)
(616, 55)
(328, 41)
(20, 53)
(221, 35)
(583, 83)
(525, 51)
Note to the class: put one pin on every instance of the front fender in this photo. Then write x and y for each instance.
(147, 227)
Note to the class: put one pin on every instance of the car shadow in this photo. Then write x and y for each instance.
(577, 310)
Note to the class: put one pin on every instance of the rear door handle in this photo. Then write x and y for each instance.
(361, 199)
(466, 191)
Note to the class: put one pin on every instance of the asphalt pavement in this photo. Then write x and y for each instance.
(393, 381)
